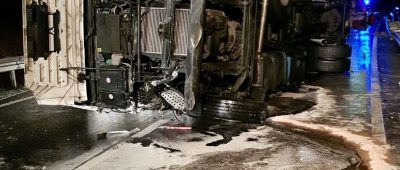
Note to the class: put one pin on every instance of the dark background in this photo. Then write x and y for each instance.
(11, 28)
(384, 6)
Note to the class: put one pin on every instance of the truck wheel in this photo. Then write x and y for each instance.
(332, 53)
(333, 66)
(248, 110)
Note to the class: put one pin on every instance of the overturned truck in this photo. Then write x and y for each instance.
(221, 58)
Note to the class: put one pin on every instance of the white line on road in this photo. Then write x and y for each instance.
(84, 158)
(378, 127)
(16, 101)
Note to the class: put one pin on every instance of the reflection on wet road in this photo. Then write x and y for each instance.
(370, 88)
(389, 70)
(352, 90)
(35, 136)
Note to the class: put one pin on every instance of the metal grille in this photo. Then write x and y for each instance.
(174, 98)
(151, 41)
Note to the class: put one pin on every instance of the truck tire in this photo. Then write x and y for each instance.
(332, 53)
(249, 111)
(337, 66)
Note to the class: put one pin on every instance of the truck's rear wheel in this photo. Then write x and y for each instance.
(333, 66)
(242, 110)
(331, 53)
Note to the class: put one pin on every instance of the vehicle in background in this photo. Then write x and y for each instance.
(359, 18)
(394, 15)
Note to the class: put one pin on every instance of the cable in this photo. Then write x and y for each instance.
(176, 117)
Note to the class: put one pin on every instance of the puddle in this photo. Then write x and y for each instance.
(281, 106)
(288, 105)
(229, 131)
(211, 126)
(145, 142)
(39, 135)
(171, 150)
(252, 139)
(195, 139)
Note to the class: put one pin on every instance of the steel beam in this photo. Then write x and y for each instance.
(193, 60)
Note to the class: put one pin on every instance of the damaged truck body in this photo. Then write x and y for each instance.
(221, 58)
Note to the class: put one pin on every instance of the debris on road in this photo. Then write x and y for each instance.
(112, 134)
(176, 127)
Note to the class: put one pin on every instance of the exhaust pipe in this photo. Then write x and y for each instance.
(260, 59)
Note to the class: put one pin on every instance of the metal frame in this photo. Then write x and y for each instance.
(193, 60)
(11, 64)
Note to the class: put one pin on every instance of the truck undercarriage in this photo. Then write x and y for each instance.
(206, 57)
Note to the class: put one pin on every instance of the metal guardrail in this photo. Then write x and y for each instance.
(394, 29)
(11, 64)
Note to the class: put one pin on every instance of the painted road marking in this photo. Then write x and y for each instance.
(378, 127)
(16, 101)
(85, 158)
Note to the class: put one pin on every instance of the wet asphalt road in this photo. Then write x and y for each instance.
(356, 90)
(37, 136)
(389, 70)
(358, 106)
(33, 136)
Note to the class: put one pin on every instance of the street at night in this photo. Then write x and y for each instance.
(234, 91)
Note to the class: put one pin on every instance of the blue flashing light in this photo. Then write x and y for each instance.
(366, 2)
